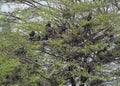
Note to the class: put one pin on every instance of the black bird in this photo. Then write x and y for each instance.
(49, 31)
(89, 17)
(48, 25)
(48, 28)
(21, 51)
(31, 35)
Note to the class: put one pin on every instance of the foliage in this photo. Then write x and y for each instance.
(59, 42)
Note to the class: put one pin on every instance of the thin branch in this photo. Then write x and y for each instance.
(116, 4)
(51, 54)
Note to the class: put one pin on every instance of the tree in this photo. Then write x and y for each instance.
(70, 44)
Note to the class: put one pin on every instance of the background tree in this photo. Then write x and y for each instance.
(71, 42)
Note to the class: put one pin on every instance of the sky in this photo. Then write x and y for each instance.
(10, 7)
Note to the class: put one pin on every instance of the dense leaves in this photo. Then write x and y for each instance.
(59, 42)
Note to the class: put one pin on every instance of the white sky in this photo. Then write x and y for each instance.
(9, 7)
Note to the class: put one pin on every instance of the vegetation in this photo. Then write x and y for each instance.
(60, 42)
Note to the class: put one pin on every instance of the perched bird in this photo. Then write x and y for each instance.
(49, 31)
(89, 17)
(20, 51)
(31, 35)
(48, 25)
(48, 28)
